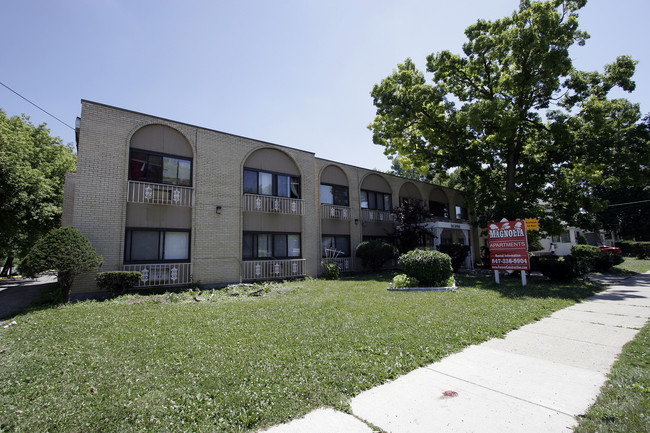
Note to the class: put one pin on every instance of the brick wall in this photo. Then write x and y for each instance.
(96, 195)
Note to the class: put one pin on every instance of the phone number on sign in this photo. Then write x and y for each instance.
(521, 261)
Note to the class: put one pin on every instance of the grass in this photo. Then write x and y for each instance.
(632, 266)
(624, 403)
(239, 363)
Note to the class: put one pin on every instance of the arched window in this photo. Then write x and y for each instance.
(160, 154)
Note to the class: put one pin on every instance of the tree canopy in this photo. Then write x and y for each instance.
(33, 165)
(527, 134)
(409, 232)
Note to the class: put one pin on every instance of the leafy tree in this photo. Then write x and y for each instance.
(534, 241)
(409, 231)
(65, 250)
(33, 165)
(581, 239)
(401, 167)
(527, 134)
(628, 213)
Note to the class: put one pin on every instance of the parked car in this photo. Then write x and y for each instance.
(610, 250)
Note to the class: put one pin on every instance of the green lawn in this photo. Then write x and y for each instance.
(238, 363)
(624, 403)
(632, 266)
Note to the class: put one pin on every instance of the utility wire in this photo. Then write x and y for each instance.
(49, 114)
(632, 202)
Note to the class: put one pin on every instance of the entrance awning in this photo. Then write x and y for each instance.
(437, 227)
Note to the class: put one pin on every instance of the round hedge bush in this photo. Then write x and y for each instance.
(374, 254)
(429, 267)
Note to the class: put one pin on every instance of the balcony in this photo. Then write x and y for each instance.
(156, 193)
(162, 274)
(272, 204)
(273, 269)
(329, 211)
(377, 216)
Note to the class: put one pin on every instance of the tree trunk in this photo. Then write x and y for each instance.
(511, 171)
(6, 270)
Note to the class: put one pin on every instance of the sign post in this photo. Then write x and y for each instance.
(508, 245)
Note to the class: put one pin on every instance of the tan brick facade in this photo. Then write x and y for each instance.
(96, 196)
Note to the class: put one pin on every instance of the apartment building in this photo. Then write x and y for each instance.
(179, 202)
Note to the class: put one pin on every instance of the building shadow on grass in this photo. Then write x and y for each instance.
(381, 276)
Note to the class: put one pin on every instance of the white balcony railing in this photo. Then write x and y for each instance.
(272, 269)
(272, 204)
(346, 264)
(155, 193)
(162, 274)
(330, 211)
(373, 215)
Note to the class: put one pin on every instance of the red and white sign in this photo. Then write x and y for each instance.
(508, 246)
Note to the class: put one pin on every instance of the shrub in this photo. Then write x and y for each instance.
(627, 247)
(403, 280)
(430, 267)
(331, 271)
(562, 268)
(641, 250)
(194, 285)
(485, 257)
(603, 262)
(457, 252)
(587, 253)
(374, 254)
(534, 242)
(582, 239)
(65, 250)
(117, 282)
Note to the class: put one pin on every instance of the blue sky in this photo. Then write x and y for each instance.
(295, 73)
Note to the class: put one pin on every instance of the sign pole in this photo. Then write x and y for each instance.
(523, 278)
(496, 277)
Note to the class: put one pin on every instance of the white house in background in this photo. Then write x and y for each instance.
(569, 238)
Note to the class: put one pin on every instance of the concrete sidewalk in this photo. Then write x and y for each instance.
(537, 379)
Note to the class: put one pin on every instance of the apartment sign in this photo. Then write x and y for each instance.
(508, 245)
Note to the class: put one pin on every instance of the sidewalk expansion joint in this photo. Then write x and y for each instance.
(501, 392)
(570, 339)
